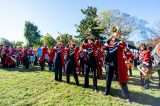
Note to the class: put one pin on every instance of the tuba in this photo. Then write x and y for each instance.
(156, 56)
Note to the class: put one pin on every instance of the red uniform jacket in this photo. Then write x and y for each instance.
(51, 54)
(122, 68)
(76, 56)
(128, 59)
(86, 46)
(7, 60)
(44, 52)
(146, 57)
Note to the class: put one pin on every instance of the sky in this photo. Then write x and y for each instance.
(52, 16)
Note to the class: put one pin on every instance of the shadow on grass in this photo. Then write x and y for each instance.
(135, 81)
(136, 97)
(22, 69)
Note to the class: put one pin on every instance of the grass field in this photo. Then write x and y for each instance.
(19, 87)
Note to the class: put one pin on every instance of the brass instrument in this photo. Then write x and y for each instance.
(144, 71)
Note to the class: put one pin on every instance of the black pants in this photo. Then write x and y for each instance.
(91, 66)
(71, 68)
(26, 62)
(35, 62)
(50, 65)
(109, 77)
(135, 63)
(130, 72)
(42, 64)
(58, 70)
(82, 65)
(17, 61)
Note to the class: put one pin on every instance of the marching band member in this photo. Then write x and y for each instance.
(7, 59)
(20, 58)
(51, 57)
(146, 66)
(156, 57)
(59, 61)
(26, 57)
(91, 62)
(140, 55)
(44, 56)
(3, 55)
(13, 57)
(128, 55)
(72, 61)
(117, 63)
(82, 58)
(99, 59)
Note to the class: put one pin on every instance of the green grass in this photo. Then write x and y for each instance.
(20, 87)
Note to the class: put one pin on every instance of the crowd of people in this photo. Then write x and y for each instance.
(90, 57)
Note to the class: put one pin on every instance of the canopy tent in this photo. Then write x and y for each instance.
(131, 45)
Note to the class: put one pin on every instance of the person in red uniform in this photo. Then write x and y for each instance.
(12, 58)
(1, 47)
(51, 57)
(91, 62)
(72, 62)
(128, 55)
(44, 56)
(99, 59)
(146, 58)
(59, 61)
(20, 57)
(82, 58)
(7, 59)
(26, 57)
(117, 63)
(3, 55)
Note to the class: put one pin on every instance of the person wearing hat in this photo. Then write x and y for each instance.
(117, 63)
(72, 62)
(26, 57)
(82, 59)
(99, 59)
(129, 56)
(91, 62)
(44, 56)
(7, 59)
(51, 57)
(59, 60)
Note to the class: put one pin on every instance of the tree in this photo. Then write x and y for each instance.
(31, 33)
(89, 25)
(19, 43)
(6, 42)
(49, 40)
(154, 37)
(127, 23)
